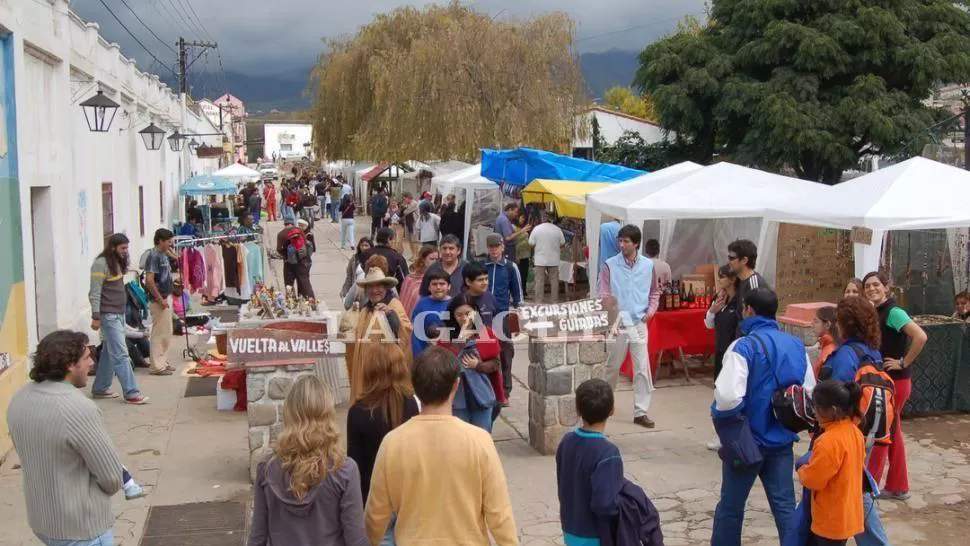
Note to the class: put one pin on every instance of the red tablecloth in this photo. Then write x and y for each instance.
(672, 330)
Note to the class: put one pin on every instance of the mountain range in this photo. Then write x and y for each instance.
(287, 91)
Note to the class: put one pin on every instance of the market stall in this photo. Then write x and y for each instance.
(482, 199)
(520, 166)
(238, 173)
(210, 186)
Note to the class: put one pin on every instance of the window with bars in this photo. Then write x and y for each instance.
(141, 210)
(107, 210)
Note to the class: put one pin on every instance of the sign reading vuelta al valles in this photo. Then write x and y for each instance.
(590, 316)
(267, 345)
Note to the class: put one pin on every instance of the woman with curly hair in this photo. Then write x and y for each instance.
(858, 327)
(309, 491)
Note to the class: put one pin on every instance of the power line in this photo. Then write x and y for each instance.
(168, 13)
(148, 28)
(199, 21)
(195, 25)
(135, 38)
(180, 12)
(651, 24)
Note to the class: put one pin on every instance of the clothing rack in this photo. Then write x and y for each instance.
(184, 241)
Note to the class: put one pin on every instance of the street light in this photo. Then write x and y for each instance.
(99, 112)
(153, 136)
(193, 145)
(175, 141)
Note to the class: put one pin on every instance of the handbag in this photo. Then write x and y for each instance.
(791, 404)
(738, 448)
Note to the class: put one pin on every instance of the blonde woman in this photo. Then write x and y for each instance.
(308, 493)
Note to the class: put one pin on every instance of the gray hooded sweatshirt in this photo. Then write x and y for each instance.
(331, 513)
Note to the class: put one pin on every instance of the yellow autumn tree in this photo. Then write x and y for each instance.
(445, 81)
(623, 99)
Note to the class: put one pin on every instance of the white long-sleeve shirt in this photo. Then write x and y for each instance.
(732, 383)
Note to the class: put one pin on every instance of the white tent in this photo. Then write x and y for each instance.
(613, 200)
(238, 173)
(482, 197)
(918, 193)
(709, 207)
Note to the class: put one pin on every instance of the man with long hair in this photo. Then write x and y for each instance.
(70, 467)
(108, 300)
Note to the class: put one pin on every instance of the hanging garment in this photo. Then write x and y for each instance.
(230, 260)
(245, 286)
(197, 266)
(214, 278)
(254, 261)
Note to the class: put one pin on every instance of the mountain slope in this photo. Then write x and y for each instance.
(607, 69)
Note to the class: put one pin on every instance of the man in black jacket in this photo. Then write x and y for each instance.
(378, 208)
(397, 266)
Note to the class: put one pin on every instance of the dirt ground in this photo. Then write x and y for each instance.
(939, 523)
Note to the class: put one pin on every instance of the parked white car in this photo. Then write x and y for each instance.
(269, 170)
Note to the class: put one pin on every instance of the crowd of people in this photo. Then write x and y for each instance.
(430, 372)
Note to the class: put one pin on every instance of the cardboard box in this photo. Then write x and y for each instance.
(709, 271)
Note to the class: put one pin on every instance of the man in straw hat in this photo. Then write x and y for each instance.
(382, 322)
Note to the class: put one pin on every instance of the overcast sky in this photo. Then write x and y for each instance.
(277, 36)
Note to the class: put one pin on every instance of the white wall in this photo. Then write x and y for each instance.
(612, 126)
(59, 60)
(271, 134)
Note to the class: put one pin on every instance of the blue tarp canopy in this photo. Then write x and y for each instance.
(521, 166)
(208, 185)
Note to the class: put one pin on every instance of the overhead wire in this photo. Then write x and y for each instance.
(148, 28)
(183, 16)
(199, 21)
(637, 27)
(135, 38)
(194, 25)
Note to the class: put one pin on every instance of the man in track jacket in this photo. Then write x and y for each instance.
(746, 383)
(505, 284)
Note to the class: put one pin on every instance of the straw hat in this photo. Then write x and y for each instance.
(376, 276)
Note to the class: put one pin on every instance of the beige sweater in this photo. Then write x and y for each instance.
(444, 480)
(69, 464)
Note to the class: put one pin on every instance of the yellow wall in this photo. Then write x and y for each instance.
(10, 381)
(13, 340)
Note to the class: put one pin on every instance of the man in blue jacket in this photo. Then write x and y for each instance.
(745, 385)
(505, 284)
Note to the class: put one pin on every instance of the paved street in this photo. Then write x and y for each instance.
(185, 452)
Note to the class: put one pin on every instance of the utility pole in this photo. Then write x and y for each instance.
(966, 135)
(184, 63)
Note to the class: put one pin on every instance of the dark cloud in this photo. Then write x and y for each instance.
(256, 36)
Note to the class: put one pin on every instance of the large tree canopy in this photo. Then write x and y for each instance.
(810, 86)
(443, 82)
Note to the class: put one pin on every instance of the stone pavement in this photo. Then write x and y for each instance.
(185, 451)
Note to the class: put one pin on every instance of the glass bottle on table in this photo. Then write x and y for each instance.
(676, 298)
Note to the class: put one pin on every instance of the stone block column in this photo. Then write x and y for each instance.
(556, 367)
(266, 387)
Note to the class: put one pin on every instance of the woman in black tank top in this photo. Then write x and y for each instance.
(897, 329)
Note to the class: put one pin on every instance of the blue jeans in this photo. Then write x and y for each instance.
(322, 203)
(256, 213)
(335, 211)
(347, 233)
(288, 211)
(388, 539)
(480, 418)
(776, 477)
(106, 539)
(875, 533)
(114, 358)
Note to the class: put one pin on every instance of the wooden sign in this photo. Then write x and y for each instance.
(582, 317)
(268, 345)
(861, 235)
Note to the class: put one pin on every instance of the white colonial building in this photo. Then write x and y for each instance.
(286, 140)
(612, 125)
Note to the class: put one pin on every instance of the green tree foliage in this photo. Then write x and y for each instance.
(808, 86)
(442, 82)
(630, 150)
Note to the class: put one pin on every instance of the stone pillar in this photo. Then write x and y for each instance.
(556, 367)
(266, 387)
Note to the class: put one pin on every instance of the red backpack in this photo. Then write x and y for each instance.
(296, 247)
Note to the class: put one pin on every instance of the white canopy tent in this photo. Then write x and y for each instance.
(613, 200)
(482, 197)
(238, 173)
(916, 194)
(708, 208)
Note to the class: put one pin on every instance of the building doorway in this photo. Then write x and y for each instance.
(42, 233)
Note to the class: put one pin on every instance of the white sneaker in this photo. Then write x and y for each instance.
(714, 445)
(134, 491)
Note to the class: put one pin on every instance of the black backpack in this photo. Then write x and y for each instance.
(791, 404)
